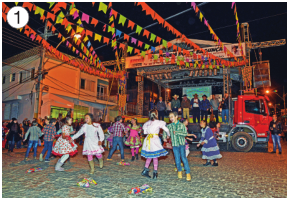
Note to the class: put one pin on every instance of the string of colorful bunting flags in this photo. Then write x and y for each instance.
(238, 27)
(214, 35)
(29, 32)
(155, 16)
(61, 19)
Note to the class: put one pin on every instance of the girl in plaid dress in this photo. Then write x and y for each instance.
(63, 147)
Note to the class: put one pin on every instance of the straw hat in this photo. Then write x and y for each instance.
(176, 96)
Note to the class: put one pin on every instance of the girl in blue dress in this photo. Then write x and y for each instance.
(210, 149)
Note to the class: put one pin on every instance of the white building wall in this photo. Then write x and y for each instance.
(63, 81)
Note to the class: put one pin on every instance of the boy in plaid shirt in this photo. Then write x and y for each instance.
(49, 134)
(117, 128)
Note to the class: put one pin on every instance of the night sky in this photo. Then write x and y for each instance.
(267, 21)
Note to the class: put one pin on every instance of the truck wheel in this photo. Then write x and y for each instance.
(242, 142)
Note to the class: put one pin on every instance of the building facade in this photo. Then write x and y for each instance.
(64, 87)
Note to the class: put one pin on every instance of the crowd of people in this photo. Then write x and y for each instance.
(60, 135)
(198, 109)
(30, 133)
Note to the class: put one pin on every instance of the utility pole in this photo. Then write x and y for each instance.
(38, 86)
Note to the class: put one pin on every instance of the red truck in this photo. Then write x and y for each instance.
(250, 126)
(250, 122)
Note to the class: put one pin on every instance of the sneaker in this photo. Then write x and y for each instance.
(25, 159)
(109, 159)
(35, 158)
(273, 152)
(46, 160)
(40, 157)
(280, 152)
(215, 164)
(207, 164)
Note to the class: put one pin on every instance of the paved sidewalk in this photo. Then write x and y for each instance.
(253, 174)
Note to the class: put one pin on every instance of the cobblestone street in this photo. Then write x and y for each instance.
(253, 174)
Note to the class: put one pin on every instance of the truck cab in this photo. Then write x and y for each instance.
(251, 122)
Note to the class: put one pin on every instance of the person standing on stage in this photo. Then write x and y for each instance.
(176, 104)
(186, 104)
(152, 104)
(205, 105)
(225, 109)
(195, 105)
(161, 107)
(215, 106)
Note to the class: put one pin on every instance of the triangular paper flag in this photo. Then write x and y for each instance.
(143, 54)
(102, 7)
(85, 39)
(59, 20)
(85, 18)
(94, 21)
(153, 37)
(138, 29)
(156, 57)
(122, 20)
(164, 43)
(129, 49)
(79, 29)
(51, 4)
(147, 46)
(130, 24)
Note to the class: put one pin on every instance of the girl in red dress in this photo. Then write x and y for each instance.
(62, 147)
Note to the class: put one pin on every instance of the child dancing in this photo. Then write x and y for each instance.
(186, 123)
(35, 134)
(93, 141)
(64, 146)
(152, 146)
(210, 149)
(49, 133)
(133, 140)
(117, 128)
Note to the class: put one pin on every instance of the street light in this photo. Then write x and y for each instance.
(77, 36)
(267, 91)
(270, 104)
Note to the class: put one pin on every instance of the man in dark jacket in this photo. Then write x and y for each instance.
(161, 107)
(195, 106)
(204, 106)
(225, 109)
(13, 135)
(276, 130)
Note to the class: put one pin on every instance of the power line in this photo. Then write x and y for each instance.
(70, 86)
(235, 24)
(16, 46)
(26, 40)
(153, 24)
(12, 92)
(21, 35)
(12, 40)
(15, 85)
(26, 62)
(67, 91)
